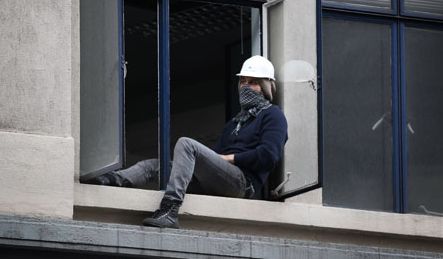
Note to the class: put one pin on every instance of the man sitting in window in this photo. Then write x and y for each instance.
(248, 150)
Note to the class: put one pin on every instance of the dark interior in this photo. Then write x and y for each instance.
(208, 43)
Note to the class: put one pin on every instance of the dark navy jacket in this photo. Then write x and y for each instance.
(258, 147)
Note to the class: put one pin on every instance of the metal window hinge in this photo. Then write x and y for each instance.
(429, 212)
(275, 192)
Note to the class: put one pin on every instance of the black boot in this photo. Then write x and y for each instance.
(111, 179)
(166, 216)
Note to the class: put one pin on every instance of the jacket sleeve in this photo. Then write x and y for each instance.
(269, 151)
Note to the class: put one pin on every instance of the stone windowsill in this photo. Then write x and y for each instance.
(293, 213)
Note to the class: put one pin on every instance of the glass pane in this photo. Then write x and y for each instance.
(424, 66)
(357, 115)
(424, 7)
(361, 4)
(100, 131)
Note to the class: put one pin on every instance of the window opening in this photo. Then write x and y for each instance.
(209, 42)
(205, 54)
(101, 85)
(141, 83)
(208, 45)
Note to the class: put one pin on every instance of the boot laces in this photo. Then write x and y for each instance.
(166, 207)
(161, 212)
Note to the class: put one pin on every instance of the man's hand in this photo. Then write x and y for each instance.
(229, 158)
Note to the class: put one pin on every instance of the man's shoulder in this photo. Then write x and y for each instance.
(274, 112)
(275, 109)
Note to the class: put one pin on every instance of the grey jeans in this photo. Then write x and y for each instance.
(210, 174)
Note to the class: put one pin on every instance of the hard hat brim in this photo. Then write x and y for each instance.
(255, 76)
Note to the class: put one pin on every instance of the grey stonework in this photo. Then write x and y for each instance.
(81, 237)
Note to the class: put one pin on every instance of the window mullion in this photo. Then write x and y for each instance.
(397, 119)
(164, 91)
(403, 120)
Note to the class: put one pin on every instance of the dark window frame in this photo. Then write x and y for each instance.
(394, 94)
(369, 9)
(164, 77)
(399, 19)
(416, 14)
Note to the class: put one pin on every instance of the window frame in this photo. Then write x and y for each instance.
(398, 87)
(396, 183)
(404, 115)
(369, 9)
(417, 14)
(164, 88)
(121, 93)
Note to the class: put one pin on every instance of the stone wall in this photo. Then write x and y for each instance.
(36, 91)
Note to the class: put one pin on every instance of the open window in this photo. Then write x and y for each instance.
(208, 42)
(101, 87)
(290, 44)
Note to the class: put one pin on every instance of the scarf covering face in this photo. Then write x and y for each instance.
(252, 103)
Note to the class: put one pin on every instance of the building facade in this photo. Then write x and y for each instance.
(93, 86)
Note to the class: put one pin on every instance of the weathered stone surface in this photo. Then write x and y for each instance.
(134, 240)
(35, 66)
(37, 175)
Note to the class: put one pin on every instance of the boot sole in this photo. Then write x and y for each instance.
(153, 224)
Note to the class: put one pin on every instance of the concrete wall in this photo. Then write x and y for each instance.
(75, 83)
(292, 36)
(36, 90)
(92, 239)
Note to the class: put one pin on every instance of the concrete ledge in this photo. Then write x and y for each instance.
(115, 239)
(305, 215)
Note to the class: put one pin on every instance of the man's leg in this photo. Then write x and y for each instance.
(214, 174)
(138, 175)
(217, 174)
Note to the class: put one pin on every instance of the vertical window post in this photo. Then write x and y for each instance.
(320, 91)
(164, 90)
(395, 123)
(121, 44)
(403, 181)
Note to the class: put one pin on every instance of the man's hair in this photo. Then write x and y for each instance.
(267, 87)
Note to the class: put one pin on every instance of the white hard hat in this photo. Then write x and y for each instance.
(257, 66)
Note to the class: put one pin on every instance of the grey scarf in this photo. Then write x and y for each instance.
(252, 103)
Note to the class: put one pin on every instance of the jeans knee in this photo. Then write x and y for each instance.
(185, 143)
(148, 163)
(141, 163)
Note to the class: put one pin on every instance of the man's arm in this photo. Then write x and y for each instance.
(269, 151)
